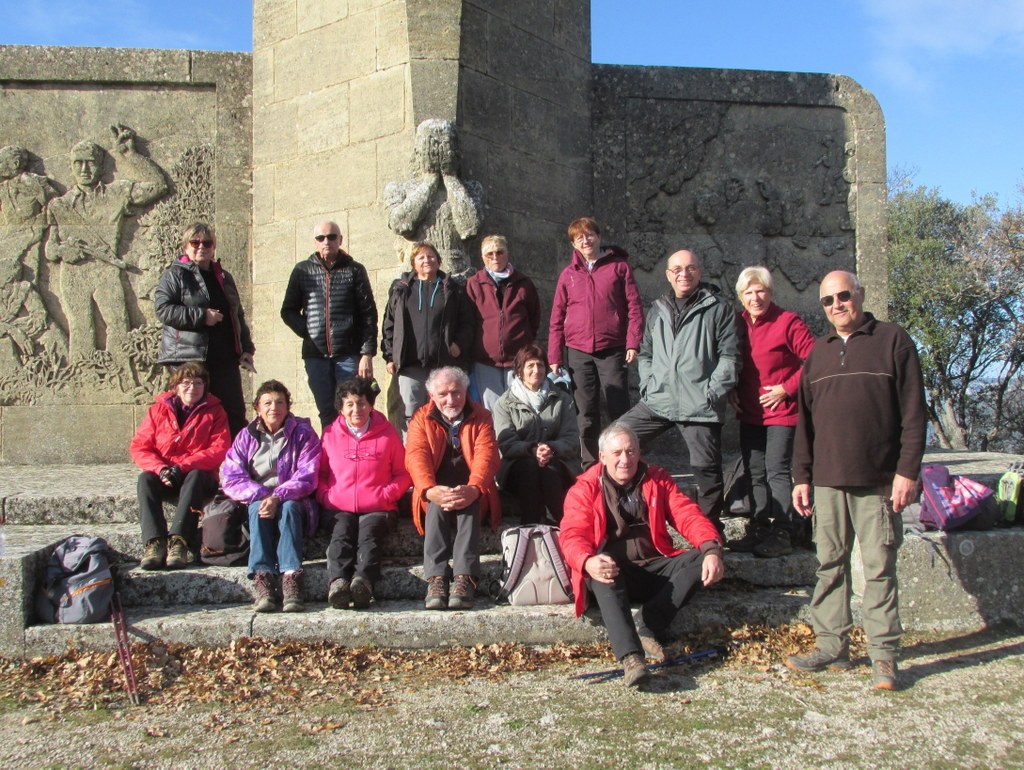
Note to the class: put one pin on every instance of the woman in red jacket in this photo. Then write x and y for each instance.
(179, 446)
(775, 346)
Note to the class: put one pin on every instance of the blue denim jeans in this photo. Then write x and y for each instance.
(324, 375)
(275, 545)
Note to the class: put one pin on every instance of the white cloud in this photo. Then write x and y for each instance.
(912, 36)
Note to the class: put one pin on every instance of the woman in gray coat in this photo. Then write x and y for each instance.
(539, 440)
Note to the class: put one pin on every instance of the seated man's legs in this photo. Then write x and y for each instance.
(466, 550)
(437, 540)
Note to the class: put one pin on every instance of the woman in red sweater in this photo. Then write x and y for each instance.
(776, 344)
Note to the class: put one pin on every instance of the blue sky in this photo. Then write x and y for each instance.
(949, 74)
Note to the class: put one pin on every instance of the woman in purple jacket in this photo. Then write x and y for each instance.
(272, 467)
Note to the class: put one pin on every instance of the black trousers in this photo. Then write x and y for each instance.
(540, 492)
(603, 371)
(197, 488)
(356, 540)
(664, 586)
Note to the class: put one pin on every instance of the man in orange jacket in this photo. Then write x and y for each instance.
(452, 456)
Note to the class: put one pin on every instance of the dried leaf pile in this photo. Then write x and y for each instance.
(251, 672)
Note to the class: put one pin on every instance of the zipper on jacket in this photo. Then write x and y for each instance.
(327, 309)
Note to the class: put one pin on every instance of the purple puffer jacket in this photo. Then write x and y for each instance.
(298, 468)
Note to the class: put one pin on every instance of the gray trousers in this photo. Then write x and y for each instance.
(839, 514)
(491, 382)
(412, 388)
(453, 535)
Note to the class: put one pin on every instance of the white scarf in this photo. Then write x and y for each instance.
(532, 398)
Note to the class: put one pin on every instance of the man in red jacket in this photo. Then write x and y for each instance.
(616, 541)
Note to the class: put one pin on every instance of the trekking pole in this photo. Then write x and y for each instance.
(615, 673)
(124, 648)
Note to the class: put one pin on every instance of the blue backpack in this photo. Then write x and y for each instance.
(78, 584)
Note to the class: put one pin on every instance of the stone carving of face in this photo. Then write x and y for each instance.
(437, 146)
(87, 163)
(12, 161)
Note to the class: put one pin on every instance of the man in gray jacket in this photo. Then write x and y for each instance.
(689, 360)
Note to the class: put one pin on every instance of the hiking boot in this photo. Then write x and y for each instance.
(340, 594)
(362, 593)
(266, 599)
(155, 554)
(437, 593)
(463, 591)
(756, 532)
(883, 674)
(291, 592)
(775, 544)
(178, 555)
(817, 660)
(653, 648)
(634, 670)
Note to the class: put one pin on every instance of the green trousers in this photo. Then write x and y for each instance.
(839, 515)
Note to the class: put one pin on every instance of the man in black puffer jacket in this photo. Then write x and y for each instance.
(329, 303)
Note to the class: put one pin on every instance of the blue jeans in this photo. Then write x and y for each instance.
(275, 545)
(324, 375)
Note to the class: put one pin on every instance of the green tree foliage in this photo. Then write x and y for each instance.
(956, 284)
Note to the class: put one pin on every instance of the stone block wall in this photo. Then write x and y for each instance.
(78, 336)
(780, 169)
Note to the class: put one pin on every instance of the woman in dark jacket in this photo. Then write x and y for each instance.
(539, 440)
(428, 323)
(197, 301)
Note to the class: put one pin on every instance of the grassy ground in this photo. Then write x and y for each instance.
(260, 705)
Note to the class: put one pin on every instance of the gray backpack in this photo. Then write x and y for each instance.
(78, 584)
(534, 570)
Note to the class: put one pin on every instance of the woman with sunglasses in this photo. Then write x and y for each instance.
(197, 301)
(774, 348)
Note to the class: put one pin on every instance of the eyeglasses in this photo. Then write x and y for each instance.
(186, 384)
(207, 242)
(325, 237)
(689, 270)
(842, 296)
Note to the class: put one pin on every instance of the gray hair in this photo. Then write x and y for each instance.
(752, 275)
(617, 428)
(498, 241)
(447, 374)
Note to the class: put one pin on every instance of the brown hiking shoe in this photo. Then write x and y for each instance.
(178, 555)
(652, 647)
(634, 670)
(291, 592)
(340, 594)
(883, 674)
(266, 600)
(463, 591)
(437, 593)
(817, 660)
(155, 554)
(362, 593)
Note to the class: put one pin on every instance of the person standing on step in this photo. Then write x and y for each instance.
(689, 361)
(362, 477)
(329, 304)
(452, 456)
(179, 446)
(508, 318)
(597, 316)
(859, 441)
(617, 544)
(272, 468)
(774, 348)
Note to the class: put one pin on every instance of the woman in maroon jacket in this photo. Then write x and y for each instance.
(774, 348)
(598, 317)
(179, 446)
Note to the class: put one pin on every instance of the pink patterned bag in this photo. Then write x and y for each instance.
(948, 501)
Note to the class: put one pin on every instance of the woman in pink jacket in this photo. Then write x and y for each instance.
(362, 476)
(774, 348)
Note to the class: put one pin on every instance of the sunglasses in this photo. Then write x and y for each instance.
(843, 296)
(207, 242)
(325, 237)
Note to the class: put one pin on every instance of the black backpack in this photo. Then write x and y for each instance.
(78, 584)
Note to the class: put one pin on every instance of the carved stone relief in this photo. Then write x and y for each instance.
(77, 269)
(436, 205)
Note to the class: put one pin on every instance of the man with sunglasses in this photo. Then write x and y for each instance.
(329, 304)
(859, 442)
